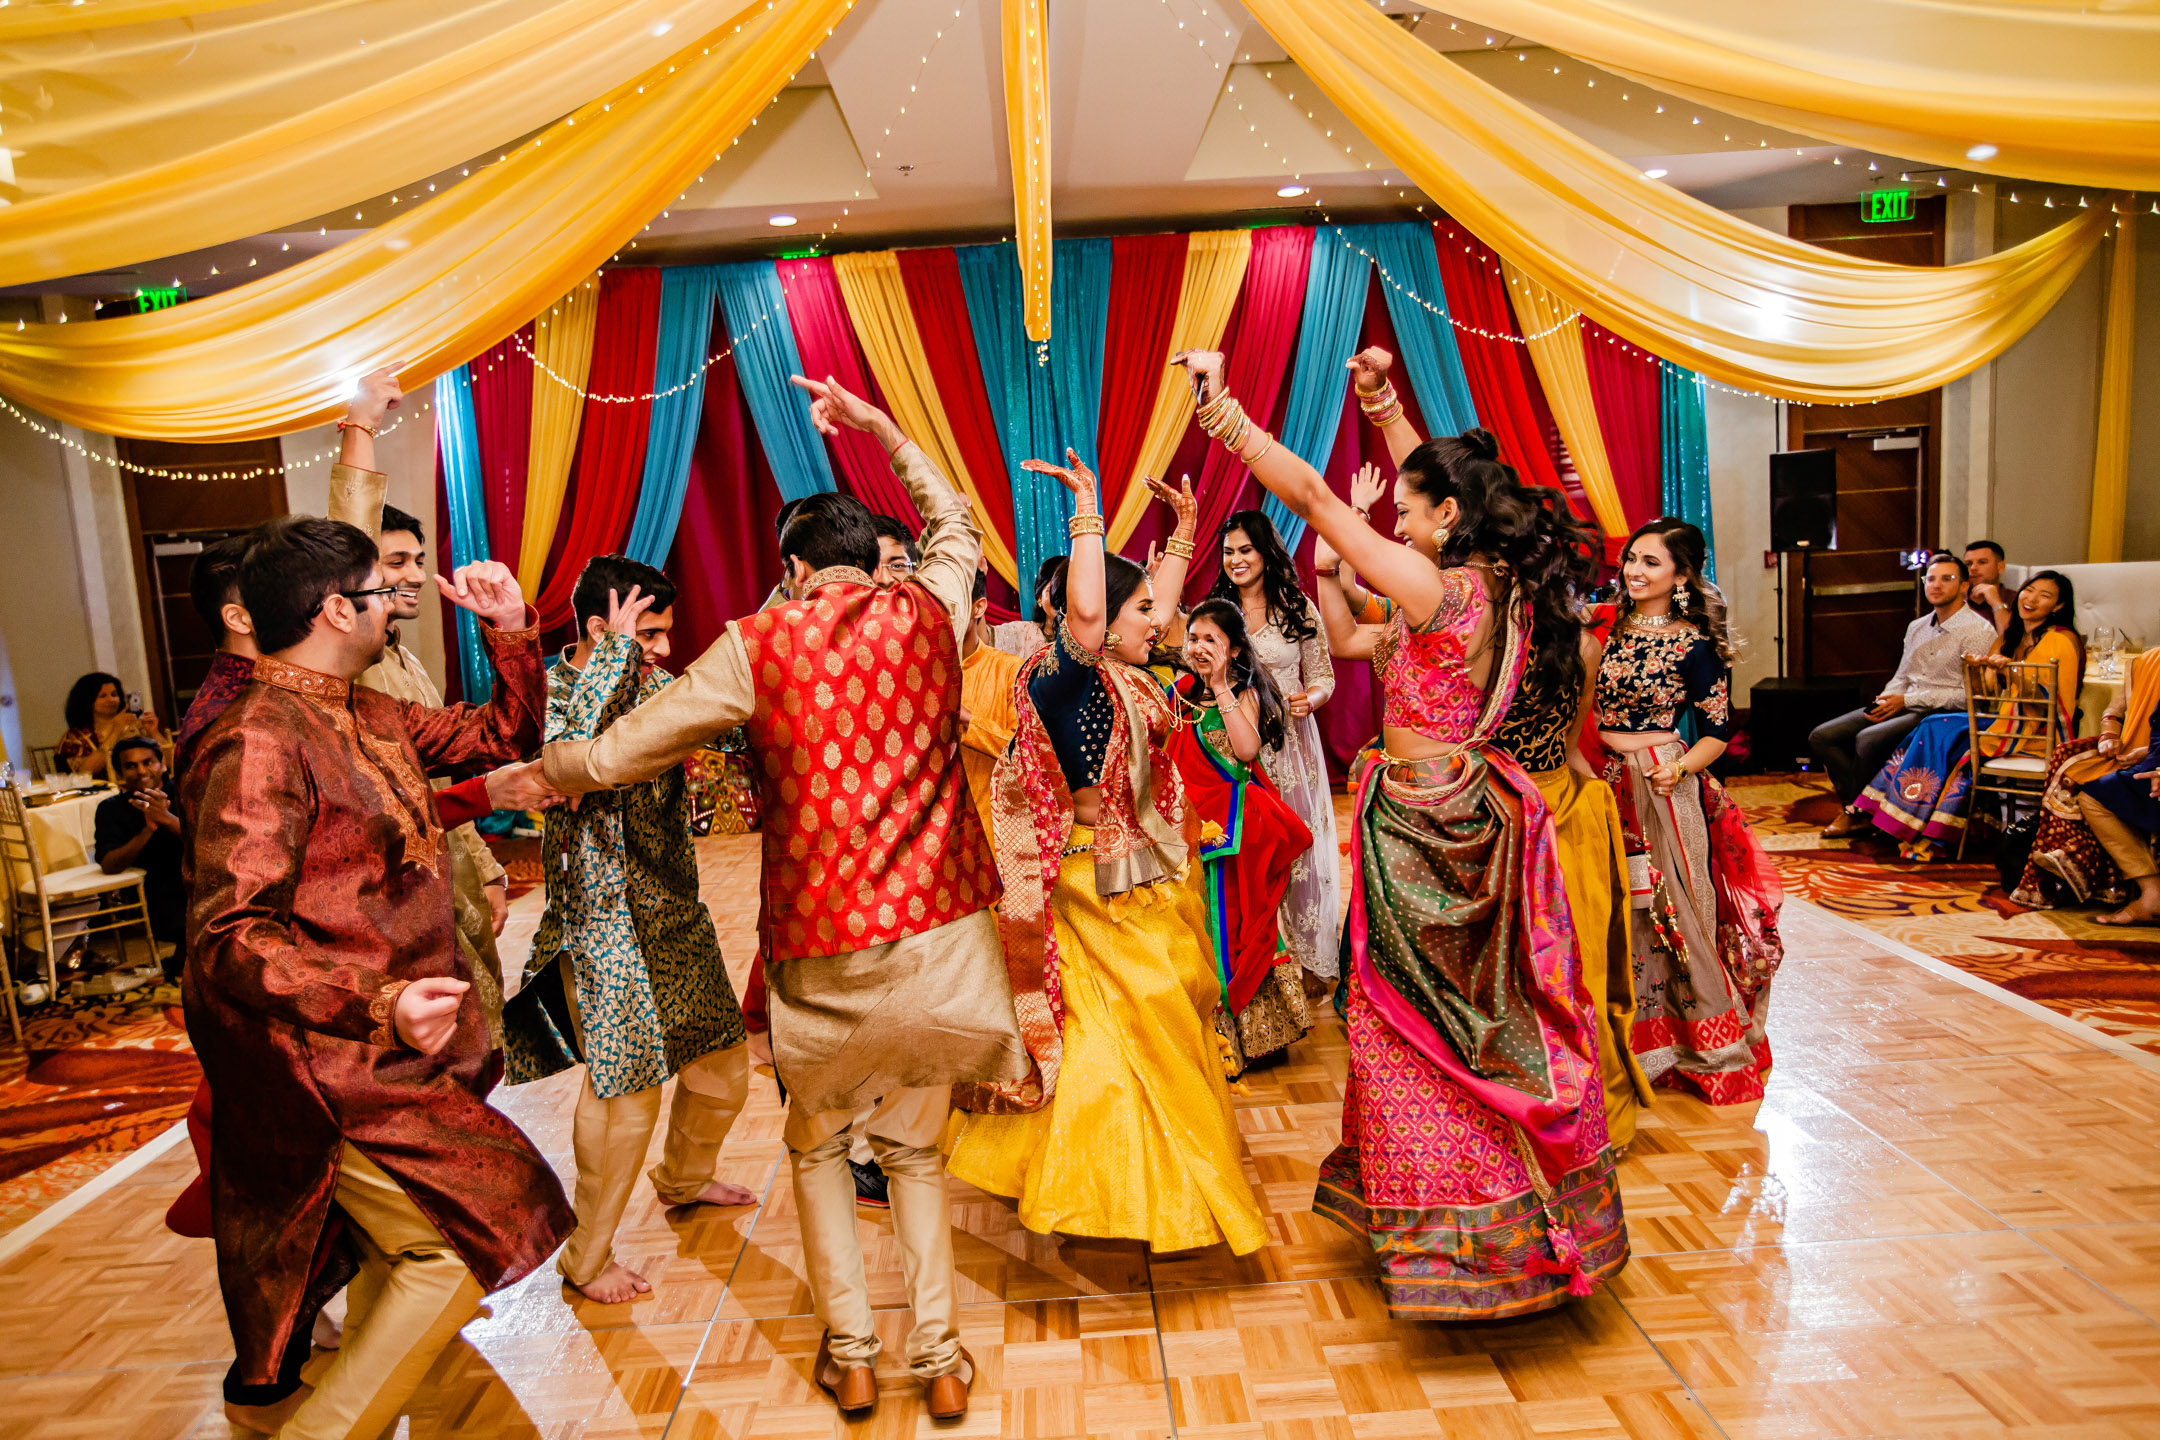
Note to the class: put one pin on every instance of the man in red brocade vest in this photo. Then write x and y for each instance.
(885, 980)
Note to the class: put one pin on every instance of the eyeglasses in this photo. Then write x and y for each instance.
(355, 596)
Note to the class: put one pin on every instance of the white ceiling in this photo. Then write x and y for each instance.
(1166, 114)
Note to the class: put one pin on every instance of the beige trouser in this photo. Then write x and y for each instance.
(611, 1136)
(2129, 847)
(904, 1128)
(407, 1303)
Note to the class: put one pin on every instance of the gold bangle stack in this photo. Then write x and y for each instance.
(1383, 407)
(1223, 419)
(1183, 549)
(1088, 524)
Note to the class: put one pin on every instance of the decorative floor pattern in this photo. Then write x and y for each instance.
(1957, 912)
(1944, 1220)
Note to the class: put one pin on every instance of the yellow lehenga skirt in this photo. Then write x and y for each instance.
(1139, 1142)
(1593, 864)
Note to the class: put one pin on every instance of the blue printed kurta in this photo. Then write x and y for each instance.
(623, 909)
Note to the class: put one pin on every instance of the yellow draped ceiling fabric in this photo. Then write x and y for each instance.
(562, 359)
(1215, 263)
(1027, 136)
(2052, 91)
(877, 303)
(1553, 335)
(2111, 453)
(33, 19)
(154, 139)
(437, 285)
(1701, 288)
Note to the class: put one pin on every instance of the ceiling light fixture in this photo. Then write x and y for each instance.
(1291, 192)
(1654, 174)
(1982, 151)
(780, 222)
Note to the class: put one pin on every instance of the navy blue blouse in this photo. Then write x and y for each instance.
(1076, 709)
(1651, 676)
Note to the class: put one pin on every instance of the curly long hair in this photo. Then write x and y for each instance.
(1246, 672)
(1705, 605)
(1286, 602)
(1529, 528)
(81, 707)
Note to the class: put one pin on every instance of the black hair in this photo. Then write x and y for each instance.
(2000, 553)
(292, 566)
(785, 513)
(618, 573)
(2062, 617)
(889, 528)
(214, 582)
(830, 529)
(1246, 671)
(982, 586)
(1944, 557)
(396, 519)
(82, 698)
(1050, 575)
(1122, 578)
(1286, 603)
(1705, 607)
(132, 742)
(1550, 551)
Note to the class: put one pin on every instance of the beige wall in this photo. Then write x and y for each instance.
(1742, 431)
(2141, 532)
(44, 616)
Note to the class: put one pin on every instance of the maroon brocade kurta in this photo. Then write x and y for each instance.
(319, 888)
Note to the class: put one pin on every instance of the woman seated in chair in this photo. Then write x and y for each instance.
(2068, 859)
(98, 719)
(1921, 795)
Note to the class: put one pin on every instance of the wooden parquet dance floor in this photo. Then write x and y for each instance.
(1944, 1221)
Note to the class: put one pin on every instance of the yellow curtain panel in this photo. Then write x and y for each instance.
(154, 139)
(1215, 263)
(1679, 278)
(34, 19)
(562, 360)
(877, 303)
(2050, 91)
(2111, 453)
(434, 287)
(1553, 334)
(1027, 136)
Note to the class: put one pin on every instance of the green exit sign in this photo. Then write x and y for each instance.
(162, 297)
(1882, 207)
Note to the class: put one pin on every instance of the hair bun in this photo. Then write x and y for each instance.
(1480, 442)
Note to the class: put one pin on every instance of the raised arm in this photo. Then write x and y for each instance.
(1084, 593)
(951, 541)
(1167, 575)
(1347, 640)
(508, 725)
(711, 697)
(1396, 571)
(1377, 398)
(356, 486)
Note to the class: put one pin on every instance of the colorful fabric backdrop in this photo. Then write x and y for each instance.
(651, 413)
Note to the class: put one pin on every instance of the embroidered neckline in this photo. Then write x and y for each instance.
(302, 681)
(835, 575)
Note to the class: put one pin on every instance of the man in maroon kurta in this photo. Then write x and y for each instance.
(347, 1056)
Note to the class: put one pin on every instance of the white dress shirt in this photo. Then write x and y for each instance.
(1931, 673)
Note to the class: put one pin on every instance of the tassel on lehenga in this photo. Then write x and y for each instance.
(1567, 1253)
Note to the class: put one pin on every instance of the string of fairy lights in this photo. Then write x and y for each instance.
(167, 472)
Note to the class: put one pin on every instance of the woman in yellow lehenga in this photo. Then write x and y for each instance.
(1124, 1127)
(1542, 732)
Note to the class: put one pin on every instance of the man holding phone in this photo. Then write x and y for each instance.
(1930, 678)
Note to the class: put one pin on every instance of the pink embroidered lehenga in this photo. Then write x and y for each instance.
(1474, 1153)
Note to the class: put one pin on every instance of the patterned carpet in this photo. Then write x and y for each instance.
(2109, 979)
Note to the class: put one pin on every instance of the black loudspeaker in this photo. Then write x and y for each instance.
(1803, 500)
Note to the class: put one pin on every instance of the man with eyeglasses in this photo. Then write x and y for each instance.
(346, 1053)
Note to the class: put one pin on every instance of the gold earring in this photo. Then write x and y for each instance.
(1439, 537)
(1110, 641)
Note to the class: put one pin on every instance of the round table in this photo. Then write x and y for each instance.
(2101, 688)
(65, 831)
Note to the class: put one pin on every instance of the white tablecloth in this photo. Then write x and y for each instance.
(65, 831)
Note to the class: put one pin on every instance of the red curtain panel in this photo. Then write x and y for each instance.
(1147, 274)
(610, 466)
(1477, 296)
(502, 391)
(825, 339)
(1627, 387)
(932, 279)
(1258, 346)
(726, 558)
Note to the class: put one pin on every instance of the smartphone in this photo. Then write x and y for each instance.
(134, 702)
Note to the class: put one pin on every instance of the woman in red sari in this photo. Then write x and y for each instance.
(1255, 838)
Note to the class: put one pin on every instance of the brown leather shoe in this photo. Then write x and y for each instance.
(852, 1387)
(948, 1393)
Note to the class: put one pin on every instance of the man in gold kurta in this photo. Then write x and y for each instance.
(479, 886)
(886, 981)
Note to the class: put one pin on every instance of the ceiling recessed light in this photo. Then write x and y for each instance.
(1291, 192)
(1654, 174)
(780, 222)
(1982, 151)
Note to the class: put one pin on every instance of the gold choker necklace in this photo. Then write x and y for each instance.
(1655, 621)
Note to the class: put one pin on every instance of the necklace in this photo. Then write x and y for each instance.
(1653, 622)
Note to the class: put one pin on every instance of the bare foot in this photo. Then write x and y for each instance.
(722, 1192)
(268, 1419)
(2137, 912)
(616, 1285)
